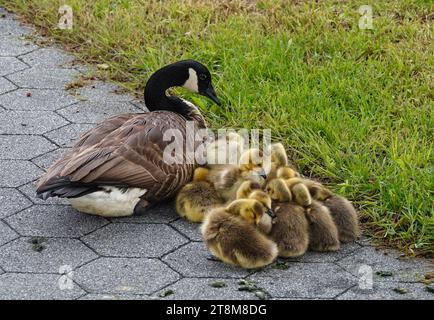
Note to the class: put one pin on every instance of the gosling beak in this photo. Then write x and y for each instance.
(210, 93)
(263, 174)
(271, 213)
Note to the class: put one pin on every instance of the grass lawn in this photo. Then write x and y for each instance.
(354, 107)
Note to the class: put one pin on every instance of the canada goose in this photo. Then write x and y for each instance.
(345, 218)
(196, 198)
(119, 166)
(231, 236)
(290, 228)
(228, 178)
(323, 234)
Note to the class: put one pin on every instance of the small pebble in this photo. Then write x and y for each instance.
(166, 293)
(400, 290)
(218, 284)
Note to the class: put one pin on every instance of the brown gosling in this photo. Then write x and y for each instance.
(345, 217)
(316, 189)
(277, 159)
(290, 228)
(231, 235)
(252, 190)
(323, 234)
(196, 198)
(227, 179)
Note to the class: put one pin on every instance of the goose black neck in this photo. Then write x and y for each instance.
(163, 79)
(156, 98)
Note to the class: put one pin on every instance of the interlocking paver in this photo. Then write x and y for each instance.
(10, 27)
(29, 122)
(95, 112)
(304, 280)
(31, 286)
(29, 190)
(10, 64)
(11, 46)
(24, 147)
(401, 269)
(67, 135)
(108, 296)
(124, 276)
(6, 233)
(14, 173)
(6, 85)
(42, 255)
(193, 288)
(193, 260)
(312, 256)
(134, 240)
(188, 229)
(43, 78)
(46, 160)
(47, 58)
(12, 201)
(389, 291)
(37, 99)
(54, 221)
(163, 213)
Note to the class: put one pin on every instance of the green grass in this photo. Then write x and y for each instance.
(354, 107)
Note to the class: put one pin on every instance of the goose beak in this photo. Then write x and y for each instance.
(271, 213)
(210, 93)
(262, 173)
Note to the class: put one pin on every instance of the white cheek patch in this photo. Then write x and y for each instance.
(191, 83)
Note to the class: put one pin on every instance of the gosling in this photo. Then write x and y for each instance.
(316, 189)
(231, 235)
(345, 218)
(290, 228)
(323, 234)
(196, 198)
(252, 190)
(228, 178)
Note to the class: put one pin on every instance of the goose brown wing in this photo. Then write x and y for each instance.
(131, 155)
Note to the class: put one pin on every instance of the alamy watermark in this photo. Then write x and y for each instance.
(223, 146)
(66, 18)
(365, 21)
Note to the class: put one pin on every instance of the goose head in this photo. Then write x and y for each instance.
(189, 74)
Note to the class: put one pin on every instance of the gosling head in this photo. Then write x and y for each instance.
(252, 165)
(264, 199)
(278, 190)
(287, 173)
(278, 155)
(246, 188)
(249, 209)
(200, 174)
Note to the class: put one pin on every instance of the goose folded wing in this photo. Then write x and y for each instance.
(136, 162)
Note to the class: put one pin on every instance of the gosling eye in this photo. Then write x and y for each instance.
(202, 76)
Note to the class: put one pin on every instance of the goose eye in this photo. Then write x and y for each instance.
(202, 76)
